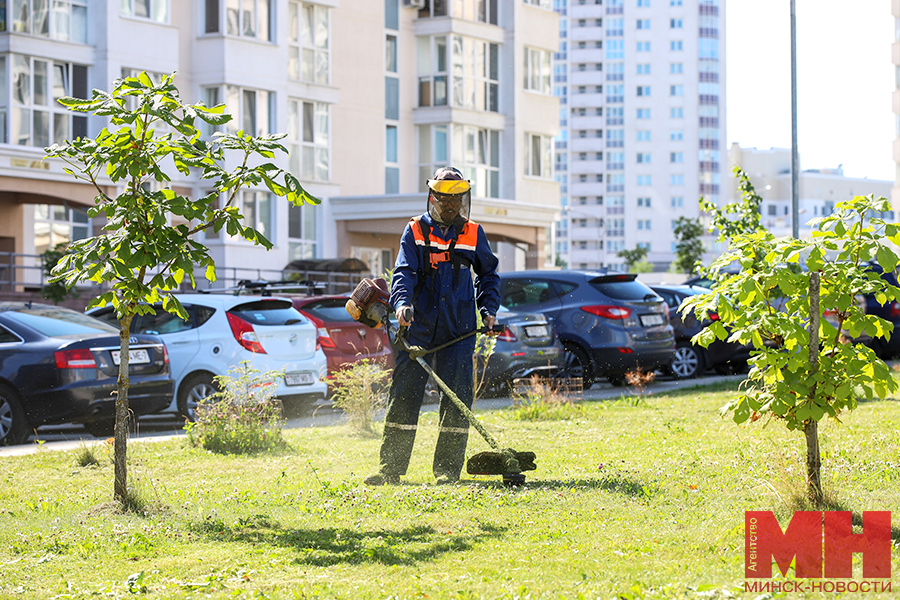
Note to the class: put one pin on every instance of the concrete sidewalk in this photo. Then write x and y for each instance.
(70, 437)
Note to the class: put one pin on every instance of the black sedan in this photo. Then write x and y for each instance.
(60, 366)
(691, 360)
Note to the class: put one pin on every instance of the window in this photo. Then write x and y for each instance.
(773, 210)
(643, 46)
(643, 90)
(252, 110)
(643, 135)
(676, 68)
(58, 224)
(538, 149)
(643, 157)
(475, 151)
(643, 3)
(157, 10)
(643, 113)
(37, 119)
(676, 157)
(676, 180)
(644, 224)
(677, 201)
(644, 202)
(643, 69)
(676, 45)
(676, 113)
(475, 72)
(643, 23)
(644, 180)
(675, 24)
(674, 2)
(676, 135)
(542, 3)
(615, 49)
(67, 21)
(473, 10)
(301, 232)
(256, 208)
(708, 48)
(308, 139)
(537, 70)
(308, 43)
(391, 169)
(390, 53)
(676, 90)
(249, 18)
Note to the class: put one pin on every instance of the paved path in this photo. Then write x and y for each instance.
(69, 437)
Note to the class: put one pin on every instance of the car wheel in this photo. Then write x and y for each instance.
(13, 427)
(576, 364)
(688, 361)
(102, 429)
(193, 390)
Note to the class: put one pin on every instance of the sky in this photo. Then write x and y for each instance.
(845, 79)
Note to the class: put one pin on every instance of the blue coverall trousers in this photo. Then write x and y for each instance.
(454, 366)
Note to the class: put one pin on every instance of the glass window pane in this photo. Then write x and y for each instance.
(232, 12)
(293, 117)
(263, 20)
(306, 25)
(248, 19)
(423, 56)
(321, 164)
(248, 112)
(59, 212)
(321, 67)
(79, 215)
(265, 215)
(41, 22)
(233, 107)
(21, 126)
(390, 54)
(293, 23)
(424, 143)
(21, 79)
(440, 144)
(60, 127)
(249, 209)
(41, 237)
(262, 114)
(495, 148)
(40, 82)
(321, 137)
(321, 27)
(390, 140)
(21, 19)
(293, 62)
(79, 24)
(294, 221)
(79, 233)
(141, 8)
(60, 21)
(60, 81)
(307, 65)
(308, 121)
(309, 222)
(306, 164)
(212, 16)
(79, 82)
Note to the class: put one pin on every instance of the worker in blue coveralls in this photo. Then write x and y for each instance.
(445, 268)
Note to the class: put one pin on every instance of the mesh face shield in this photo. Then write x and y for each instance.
(449, 201)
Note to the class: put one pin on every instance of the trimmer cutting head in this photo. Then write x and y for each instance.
(508, 463)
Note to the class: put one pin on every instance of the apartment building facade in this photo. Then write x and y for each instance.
(373, 94)
(642, 92)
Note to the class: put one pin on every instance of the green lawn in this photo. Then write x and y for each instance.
(637, 499)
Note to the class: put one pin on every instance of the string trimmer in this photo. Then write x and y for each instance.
(369, 305)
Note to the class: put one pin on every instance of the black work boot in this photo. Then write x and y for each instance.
(382, 479)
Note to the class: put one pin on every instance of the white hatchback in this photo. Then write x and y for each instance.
(222, 331)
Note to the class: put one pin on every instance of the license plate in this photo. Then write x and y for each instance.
(651, 320)
(135, 357)
(537, 331)
(299, 379)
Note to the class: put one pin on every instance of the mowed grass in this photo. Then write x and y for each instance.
(638, 498)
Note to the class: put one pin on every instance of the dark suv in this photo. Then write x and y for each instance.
(608, 322)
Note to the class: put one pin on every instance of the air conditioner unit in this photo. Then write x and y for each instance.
(414, 3)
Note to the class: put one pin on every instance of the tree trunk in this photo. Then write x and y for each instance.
(811, 429)
(120, 448)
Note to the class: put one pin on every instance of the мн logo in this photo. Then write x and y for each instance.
(823, 544)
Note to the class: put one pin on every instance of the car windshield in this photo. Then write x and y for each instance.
(268, 312)
(54, 322)
(331, 310)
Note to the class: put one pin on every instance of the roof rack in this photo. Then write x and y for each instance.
(267, 288)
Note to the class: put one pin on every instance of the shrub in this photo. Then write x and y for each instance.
(86, 456)
(244, 418)
(359, 390)
(540, 401)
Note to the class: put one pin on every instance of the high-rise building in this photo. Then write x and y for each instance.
(895, 57)
(642, 92)
(373, 95)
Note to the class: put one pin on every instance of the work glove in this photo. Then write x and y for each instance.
(405, 315)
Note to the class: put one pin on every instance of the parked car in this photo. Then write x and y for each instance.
(609, 323)
(690, 360)
(527, 347)
(343, 340)
(883, 348)
(223, 330)
(60, 366)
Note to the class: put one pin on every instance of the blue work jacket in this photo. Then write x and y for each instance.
(444, 303)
